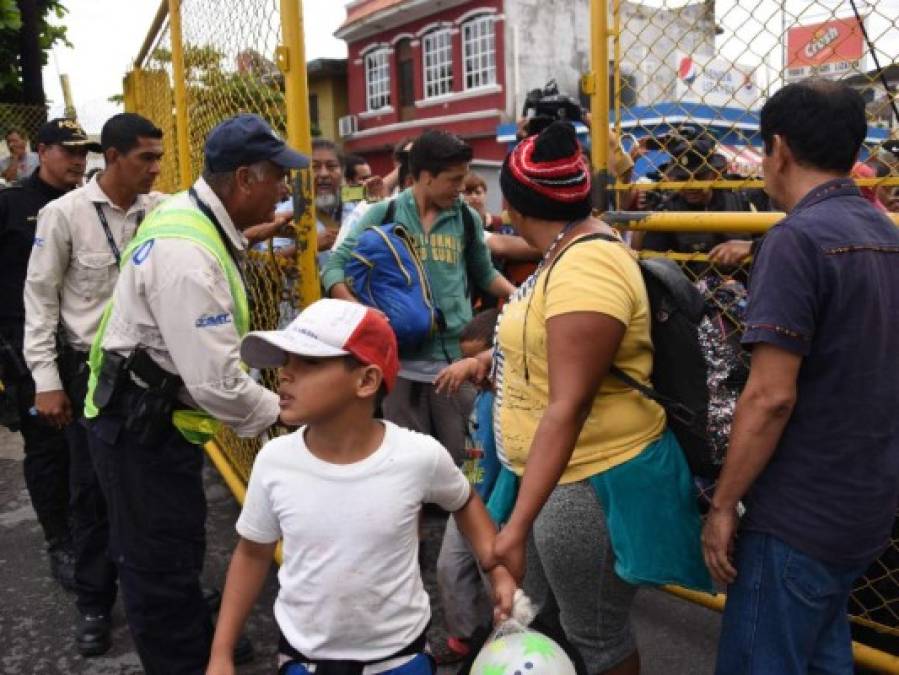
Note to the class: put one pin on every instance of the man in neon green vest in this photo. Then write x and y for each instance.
(165, 369)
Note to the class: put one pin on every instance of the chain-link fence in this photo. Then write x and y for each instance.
(26, 119)
(205, 61)
(703, 69)
(684, 87)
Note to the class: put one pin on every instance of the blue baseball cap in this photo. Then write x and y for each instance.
(246, 139)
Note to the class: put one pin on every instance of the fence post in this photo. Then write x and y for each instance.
(184, 171)
(129, 93)
(292, 62)
(598, 88)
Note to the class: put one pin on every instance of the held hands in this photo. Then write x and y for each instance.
(718, 544)
(503, 585)
(510, 552)
(54, 407)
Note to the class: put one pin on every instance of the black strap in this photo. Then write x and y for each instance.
(593, 236)
(207, 211)
(226, 241)
(674, 407)
(468, 224)
(389, 213)
(110, 240)
(152, 374)
(326, 666)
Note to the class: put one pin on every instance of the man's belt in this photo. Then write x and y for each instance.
(144, 393)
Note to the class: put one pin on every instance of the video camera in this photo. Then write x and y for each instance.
(544, 106)
(681, 136)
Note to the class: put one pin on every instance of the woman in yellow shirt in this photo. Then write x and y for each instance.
(588, 450)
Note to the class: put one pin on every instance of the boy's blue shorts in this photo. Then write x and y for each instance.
(420, 665)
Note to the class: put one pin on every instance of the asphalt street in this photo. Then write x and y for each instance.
(37, 618)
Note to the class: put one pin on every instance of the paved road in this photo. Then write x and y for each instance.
(37, 618)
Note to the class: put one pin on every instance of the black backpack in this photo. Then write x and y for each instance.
(679, 368)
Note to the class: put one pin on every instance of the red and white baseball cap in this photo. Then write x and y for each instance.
(326, 329)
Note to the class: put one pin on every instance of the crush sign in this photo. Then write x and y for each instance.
(829, 49)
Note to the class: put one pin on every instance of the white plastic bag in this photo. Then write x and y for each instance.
(514, 649)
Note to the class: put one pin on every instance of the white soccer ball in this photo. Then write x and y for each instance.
(522, 653)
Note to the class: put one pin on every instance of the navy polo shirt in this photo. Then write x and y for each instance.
(825, 286)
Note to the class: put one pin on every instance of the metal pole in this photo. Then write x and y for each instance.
(700, 221)
(152, 34)
(67, 97)
(129, 91)
(292, 62)
(184, 171)
(616, 58)
(864, 655)
(599, 101)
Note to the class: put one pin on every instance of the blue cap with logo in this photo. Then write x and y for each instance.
(246, 139)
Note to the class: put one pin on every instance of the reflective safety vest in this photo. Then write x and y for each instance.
(170, 221)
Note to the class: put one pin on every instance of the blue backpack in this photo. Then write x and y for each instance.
(385, 272)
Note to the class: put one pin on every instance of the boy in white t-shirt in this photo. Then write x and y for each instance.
(344, 492)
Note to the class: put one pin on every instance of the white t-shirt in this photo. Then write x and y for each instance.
(350, 581)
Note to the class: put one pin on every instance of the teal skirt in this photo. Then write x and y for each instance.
(651, 514)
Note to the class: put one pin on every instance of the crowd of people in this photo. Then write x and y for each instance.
(524, 413)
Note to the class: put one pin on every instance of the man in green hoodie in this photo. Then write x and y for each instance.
(432, 212)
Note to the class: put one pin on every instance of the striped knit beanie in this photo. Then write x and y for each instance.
(546, 176)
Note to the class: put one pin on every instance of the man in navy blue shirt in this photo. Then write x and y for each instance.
(814, 447)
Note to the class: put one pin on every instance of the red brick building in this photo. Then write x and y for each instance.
(415, 65)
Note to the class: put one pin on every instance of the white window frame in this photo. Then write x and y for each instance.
(479, 51)
(437, 63)
(377, 79)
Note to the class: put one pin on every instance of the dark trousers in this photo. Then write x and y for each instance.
(46, 464)
(417, 406)
(157, 515)
(95, 575)
(46, 468)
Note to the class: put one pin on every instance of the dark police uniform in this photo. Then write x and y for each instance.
(46, 455)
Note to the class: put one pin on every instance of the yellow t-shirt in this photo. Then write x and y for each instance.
(595, 276)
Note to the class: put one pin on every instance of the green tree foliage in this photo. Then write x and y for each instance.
(219, 87)
(11, 85)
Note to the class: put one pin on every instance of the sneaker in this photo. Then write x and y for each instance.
(93, 635)
(458, 646)
(62, 563)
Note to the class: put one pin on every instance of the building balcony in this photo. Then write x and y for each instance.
(369, 17)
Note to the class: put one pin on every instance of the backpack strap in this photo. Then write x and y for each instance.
(674, 408)
(468, 225)
(593, 236)
(390, 213)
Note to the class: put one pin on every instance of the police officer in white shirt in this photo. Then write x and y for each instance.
(71, 273)
(165, 370)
